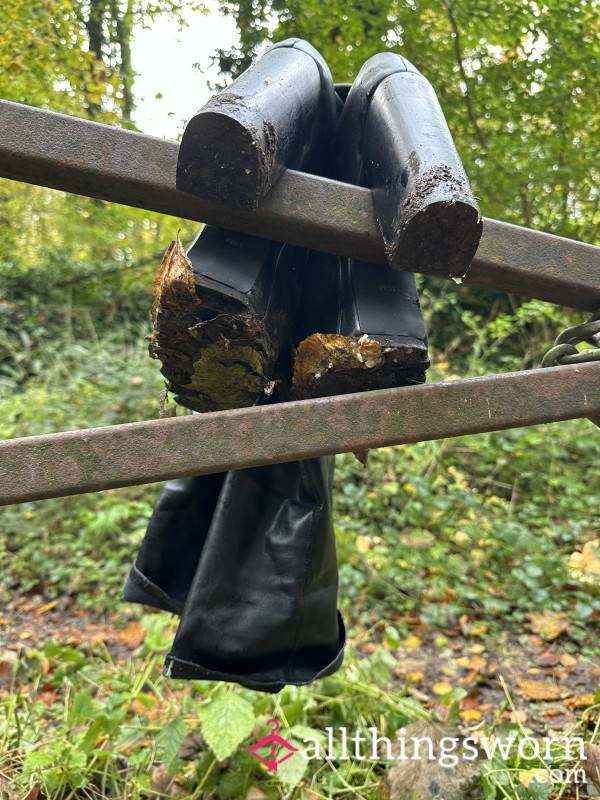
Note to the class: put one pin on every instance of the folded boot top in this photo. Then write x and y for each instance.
(248, 560)
(168, 557)
(262, 607)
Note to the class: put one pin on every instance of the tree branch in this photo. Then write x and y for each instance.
(463, 74)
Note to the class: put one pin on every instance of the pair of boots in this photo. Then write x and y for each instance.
(248, 558)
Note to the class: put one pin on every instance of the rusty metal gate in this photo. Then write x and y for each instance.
(100, 161)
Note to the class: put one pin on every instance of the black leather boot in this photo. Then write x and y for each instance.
(259, 569)
(393, 138)
(262, 607)
(221, 351)
(166, 563)
(360, 325)
(361, 330)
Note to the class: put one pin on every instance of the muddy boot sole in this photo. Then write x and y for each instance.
(218, 341)
(330, 364)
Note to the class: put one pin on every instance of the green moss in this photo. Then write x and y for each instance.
(229, 377)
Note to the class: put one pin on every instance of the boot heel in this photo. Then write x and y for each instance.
(395, 140)
(276, 114)
(371, 333)
(224, 354)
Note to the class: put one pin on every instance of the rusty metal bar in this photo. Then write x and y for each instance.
(76, 462)
(109, 163)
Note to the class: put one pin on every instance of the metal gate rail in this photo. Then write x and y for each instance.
(141, 452)
(95, 160)
(109, 163)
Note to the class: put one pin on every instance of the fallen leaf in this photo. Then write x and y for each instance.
(191, 746)
(161, 780)
(548, 624)
(580, 701)
(463, 621)
(254, 793)
(418, 695)
(8, 659)
(476, 649)
(553, 712)
(415, 677)
(568, 661)
(547, 659)
(469, 703)
(48, 607)
(536, 642)
(518, 717)
(528, 775)
(476, 662)
(364, 544)
(412, 642)
(442, 687)
(6, 782)
(132, 635)
(142, 707)
(480, 629)
(48, 698)
(585, 565)
(538, 691)
(470, 715)
(560, 674)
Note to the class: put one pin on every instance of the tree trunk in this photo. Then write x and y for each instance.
(97, 41)
(123, 21)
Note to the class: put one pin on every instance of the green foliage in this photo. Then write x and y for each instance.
(226, 721)
(64, 250)
(169, 741)
(75, 57)
(489, 520)
(77, 545)
(530, 772)
(518, 82)
(93, 731)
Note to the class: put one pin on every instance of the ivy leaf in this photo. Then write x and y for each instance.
(226, 721)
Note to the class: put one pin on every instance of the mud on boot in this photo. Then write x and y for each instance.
(222, 317)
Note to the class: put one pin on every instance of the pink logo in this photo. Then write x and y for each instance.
(272, 742)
